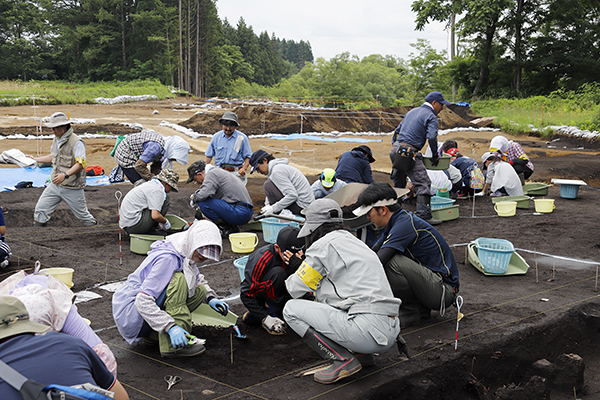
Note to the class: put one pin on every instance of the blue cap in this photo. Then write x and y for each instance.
(256, 158)
(437, 96)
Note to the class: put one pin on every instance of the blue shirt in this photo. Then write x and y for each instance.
(229, 150)
(465, 165)
(354, 166)
(419, 124)
(416, 239)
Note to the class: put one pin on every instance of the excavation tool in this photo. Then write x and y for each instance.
(459, 315)
(238, 334)
(171, 380)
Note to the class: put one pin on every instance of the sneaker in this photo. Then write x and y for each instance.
(339, 370)
(4, 264)
(187, 351)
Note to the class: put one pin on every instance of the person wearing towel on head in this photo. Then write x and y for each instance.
(159, 297)
(144, 154)
(326, 184)
(354, 313)
(263, 288)
(355, 165)
(501, 178)
(513, 153)
(222, 197)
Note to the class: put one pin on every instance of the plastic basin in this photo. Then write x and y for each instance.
(535, 189)
(65, 275)
(244, 242)
(544, 205)
(140, 244)
(444, 162)
(446, 213)
(240, 264)
(177, 223)
(272, 226)
(522, 201)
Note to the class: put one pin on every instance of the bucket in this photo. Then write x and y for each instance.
(271, 227)
(244, 242)
(65, 275)
(544, 205)
(506, 208)
(240, 264)
(140, 244)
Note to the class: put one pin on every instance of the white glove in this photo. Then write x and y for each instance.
(164, 226)
(479, 194)
(274, 324)
(268, 209)
(192, 200)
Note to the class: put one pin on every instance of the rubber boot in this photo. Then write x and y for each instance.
(424, 210)
(344, 362)
(409, 314)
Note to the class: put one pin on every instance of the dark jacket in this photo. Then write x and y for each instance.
(354, 166)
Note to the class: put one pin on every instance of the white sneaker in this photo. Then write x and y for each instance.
(4, 264)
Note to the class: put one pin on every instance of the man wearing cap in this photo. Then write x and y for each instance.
(263, 289)
(418, 262)
(355, 165)
(285, 188)
(419, 125)
(354, 313)
(145, 206)
(67, 179)
(34, 352)
(230, 147)
(326, 184)
(222, 197)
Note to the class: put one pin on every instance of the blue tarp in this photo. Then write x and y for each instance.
(9, 177)
(296, 136)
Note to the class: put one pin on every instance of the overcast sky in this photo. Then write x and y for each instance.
(361, 27)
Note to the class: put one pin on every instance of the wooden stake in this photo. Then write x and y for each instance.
(231, 343)
(596, 289)
(536, 267)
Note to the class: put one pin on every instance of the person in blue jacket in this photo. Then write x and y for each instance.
(468, 167)
(355, 165)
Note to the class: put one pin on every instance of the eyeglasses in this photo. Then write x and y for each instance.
(229, 123)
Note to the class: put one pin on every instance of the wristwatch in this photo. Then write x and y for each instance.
(66, 175)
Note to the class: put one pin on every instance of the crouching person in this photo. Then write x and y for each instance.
(263, 289)
(158, 298)
(354, 313)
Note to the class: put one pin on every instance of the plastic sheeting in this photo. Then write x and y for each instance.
(9, 177)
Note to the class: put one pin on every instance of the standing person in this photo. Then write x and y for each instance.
(326, 184)
(144, 207)
(355, 165)
(513, 153)
(67, 155)
(501, 178)
(354, 313)
(51, 358)
(285, 188)
(222, 197)
(418, 262)
(419, 125)
(230, 148)
(4, 247)
(158, 298)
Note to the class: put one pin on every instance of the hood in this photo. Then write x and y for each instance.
(275, 162)
(201, 233)
(175, 147)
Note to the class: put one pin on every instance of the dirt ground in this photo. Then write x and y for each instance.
(510, 321)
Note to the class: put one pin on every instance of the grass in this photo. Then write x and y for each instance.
(14, 93)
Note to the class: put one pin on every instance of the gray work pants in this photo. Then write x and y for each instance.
(51, 198)
(360, 333)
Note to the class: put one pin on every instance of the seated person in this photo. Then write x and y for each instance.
(472, 177)
(418, 262)
(326, 184)
(501, 178)
(222, 197)
(145, 206)
(286, 186)
(4, 248)
(51, 358)
(159, 297)
(355, 165)
(513, 153)
(263, 290)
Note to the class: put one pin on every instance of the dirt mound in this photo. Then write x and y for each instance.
(257, 120)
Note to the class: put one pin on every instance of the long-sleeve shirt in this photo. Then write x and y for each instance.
(354, 166)
(419, 124)
(231, 150)
(291, 183)
(223, 185)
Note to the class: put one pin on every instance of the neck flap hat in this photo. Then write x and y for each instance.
(14, 318)
(169, 177)
(320, 212)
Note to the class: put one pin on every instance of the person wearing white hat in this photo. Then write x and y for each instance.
(67, 179)
(501, 178)
(354, 313)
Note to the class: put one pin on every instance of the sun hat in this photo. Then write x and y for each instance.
(485, 156)
(328, 178)
(256, 157)
(229, 116)
(437, 96)
(319, 212)
(362, 210)
(169, 177)
(367, 151)
(287, 239)
(14, 318)
(197, 166)
(453, 151)
(57, 119)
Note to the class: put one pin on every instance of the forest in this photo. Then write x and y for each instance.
(500, 49)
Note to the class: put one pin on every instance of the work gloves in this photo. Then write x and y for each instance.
(268, 209)
(178, 337)
(273, 325)
(219, 306)
(165, 226)
(435, 160)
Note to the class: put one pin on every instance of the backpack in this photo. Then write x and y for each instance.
(32, 390)
(94, 170)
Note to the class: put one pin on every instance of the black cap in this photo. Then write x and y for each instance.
(367, 151)
(288, 239)
(256, 158)
(197, 166)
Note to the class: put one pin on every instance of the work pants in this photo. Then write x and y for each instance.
(274, 195)
(218, 209)
(146, 223)
(51, 198)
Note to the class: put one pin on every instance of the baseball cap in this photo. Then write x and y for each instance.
(197, 166)
(288, 239)
(328, 177)
(367, 151)
(319, 212)
(169, 177)
(437, 96)
(485, 156)
(14, 318)
(57, 119)
(453, 151)
(256, 157)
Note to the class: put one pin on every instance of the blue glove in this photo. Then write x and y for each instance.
(178, 338)
(219, 306)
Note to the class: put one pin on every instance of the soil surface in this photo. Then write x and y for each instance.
(509, 322)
